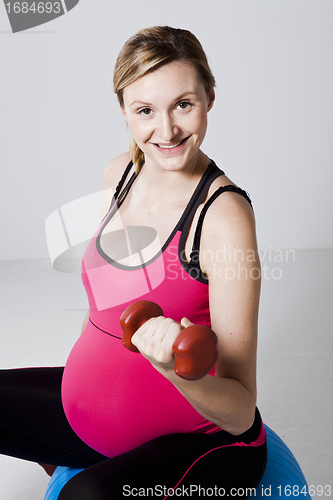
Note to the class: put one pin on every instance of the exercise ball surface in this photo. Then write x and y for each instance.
(283, 477)
(58, 480)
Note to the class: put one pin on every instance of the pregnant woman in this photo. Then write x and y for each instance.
(127, 417)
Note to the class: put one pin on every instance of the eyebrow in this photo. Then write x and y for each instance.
(177, 99)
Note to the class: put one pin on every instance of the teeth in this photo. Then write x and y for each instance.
(169, 147)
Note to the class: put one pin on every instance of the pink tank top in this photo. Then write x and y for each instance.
(113, 398)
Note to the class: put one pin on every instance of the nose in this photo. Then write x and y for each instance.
(167, 128)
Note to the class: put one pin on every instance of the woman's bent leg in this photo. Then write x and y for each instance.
(193, 465)
(33, 425)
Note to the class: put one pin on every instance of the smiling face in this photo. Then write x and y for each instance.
(166, 111)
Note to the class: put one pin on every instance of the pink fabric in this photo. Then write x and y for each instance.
(113, 398)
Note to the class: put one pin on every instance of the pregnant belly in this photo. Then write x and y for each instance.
(115, 400)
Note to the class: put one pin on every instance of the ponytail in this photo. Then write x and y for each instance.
(137, 155)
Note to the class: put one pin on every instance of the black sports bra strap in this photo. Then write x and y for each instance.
(210, 174)
(118, 194)
(120, 185)
(122, 180)
(194, 257)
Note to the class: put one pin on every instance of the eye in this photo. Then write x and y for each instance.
(184, 105)
(145, 111)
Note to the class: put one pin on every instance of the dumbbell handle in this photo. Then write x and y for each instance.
(195, 348)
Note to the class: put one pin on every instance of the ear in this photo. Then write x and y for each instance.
(211, 98)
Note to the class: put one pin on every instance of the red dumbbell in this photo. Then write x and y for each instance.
(194, 349)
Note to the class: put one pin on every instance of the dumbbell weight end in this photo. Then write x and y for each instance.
(135, 316)
(195, 351)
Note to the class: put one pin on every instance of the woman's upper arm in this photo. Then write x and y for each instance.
(85, 321)
(229, 256)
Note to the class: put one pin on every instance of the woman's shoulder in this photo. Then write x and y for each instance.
(114, 171)
(229, 202)
(230, 216)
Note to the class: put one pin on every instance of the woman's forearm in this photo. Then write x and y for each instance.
(223, 401)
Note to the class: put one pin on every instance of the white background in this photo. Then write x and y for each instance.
(270, 131)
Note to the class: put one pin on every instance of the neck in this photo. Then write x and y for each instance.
(155, 184)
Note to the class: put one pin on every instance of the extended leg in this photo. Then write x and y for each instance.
(33, 425)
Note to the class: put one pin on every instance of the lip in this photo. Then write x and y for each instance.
(169, 148)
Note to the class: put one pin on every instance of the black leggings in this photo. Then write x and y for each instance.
(33, 427)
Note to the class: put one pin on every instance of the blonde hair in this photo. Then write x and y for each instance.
(147, 51)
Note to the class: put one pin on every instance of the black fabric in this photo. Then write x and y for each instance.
(184, 461)
(210, 174)
(194, 264)
(122, 180)
(33, 427)
(200, 192)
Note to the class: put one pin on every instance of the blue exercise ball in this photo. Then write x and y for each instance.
(58, 480)
(283, 478)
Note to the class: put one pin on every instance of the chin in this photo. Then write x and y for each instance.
(172, 165)
(172, 162)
